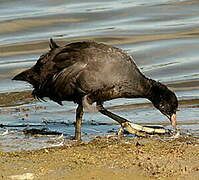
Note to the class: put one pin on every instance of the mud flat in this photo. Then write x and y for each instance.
(15, 98)
(107, 158)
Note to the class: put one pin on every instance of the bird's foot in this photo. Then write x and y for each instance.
(78, 139)
(120, 133)
(142, 131)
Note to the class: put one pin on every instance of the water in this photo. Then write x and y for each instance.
(162, 36)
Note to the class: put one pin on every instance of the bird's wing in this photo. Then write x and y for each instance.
(64, 82)
(71, 54)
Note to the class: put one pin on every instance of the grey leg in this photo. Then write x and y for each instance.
(79, 114)
(104, 111)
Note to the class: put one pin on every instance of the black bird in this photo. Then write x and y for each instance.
(88, 72)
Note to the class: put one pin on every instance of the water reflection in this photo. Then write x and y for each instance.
(162, 36)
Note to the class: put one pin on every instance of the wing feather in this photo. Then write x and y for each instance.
(64, 82)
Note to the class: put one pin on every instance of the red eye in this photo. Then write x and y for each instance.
(161, 106)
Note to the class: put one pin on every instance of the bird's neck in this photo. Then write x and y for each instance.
(145, 88)
(155, 90)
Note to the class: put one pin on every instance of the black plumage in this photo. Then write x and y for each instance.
(88, 72)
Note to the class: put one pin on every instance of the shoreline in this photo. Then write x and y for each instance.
(103, 157)
(25, 97)
(15, 98)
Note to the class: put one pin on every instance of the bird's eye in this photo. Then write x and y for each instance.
(162, 106)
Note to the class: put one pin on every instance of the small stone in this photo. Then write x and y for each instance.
(25, 176)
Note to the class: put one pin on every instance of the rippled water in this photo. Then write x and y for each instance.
(162, 36)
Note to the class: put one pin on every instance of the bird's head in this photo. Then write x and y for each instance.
(165, 101)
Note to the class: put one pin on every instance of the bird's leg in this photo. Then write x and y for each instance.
(104, 111)
(79, 114)
(113, 116)
(126, 124)
(122, 121)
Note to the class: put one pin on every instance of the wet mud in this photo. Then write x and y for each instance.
(105, 157)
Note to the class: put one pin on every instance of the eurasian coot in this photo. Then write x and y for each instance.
(88, 72)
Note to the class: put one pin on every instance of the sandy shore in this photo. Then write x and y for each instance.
(102, 158)
(107, 158)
